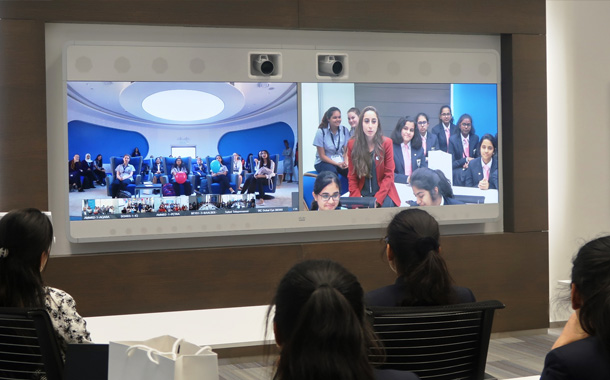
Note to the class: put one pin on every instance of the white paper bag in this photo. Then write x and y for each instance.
(161, 358)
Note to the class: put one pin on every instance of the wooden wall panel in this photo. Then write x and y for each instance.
(225, 13)
(425, 16)
(23, 129)
(507, 267)
(524, 133)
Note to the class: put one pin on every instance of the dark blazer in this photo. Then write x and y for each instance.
(439, 131)
(474, 173)
(584, 359)
(392, 374)
(457, 150)
(392, 295)
(200, 170)
(452, 201)
(432, 142)
(385, 174)
(418, 160)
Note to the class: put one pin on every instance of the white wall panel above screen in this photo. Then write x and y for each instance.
(157, 54)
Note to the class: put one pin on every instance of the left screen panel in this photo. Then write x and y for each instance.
(173, 149)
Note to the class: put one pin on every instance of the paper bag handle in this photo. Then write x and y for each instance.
(174, 352)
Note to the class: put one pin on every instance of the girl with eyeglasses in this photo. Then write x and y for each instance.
(429, 140)
(326, 192)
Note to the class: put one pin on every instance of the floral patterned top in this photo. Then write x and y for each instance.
(69, 326)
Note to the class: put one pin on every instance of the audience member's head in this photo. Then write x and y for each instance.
(320, 324)
(326, 191)
(413, 249)
(591, 288)
(25, 242)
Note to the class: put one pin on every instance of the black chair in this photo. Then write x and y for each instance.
(28, 346)
(435, 342)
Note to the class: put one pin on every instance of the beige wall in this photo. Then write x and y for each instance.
(578, 69)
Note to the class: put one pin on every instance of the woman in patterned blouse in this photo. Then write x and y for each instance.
(25, 243)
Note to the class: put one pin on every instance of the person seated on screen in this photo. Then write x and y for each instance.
(237, 169)
(582, 350)
(408, 152)
(326, 192)
(483, 171)
(353, 115)
(136, 152)
(180, 167)
(264, 171)
(157, 170)
(75, 170)
(429, 140)
(88, 173)
(99, 171)
(445, 128)
(330, 140)
(247, 164)
(123, 176)
(200, 170)
(220, 177)
(463, 147)
(432, 188)
(26, 236)
(413, 252)
(371, 162)
(288, 165)
(320, 326)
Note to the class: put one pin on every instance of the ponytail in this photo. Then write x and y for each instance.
(320, 325)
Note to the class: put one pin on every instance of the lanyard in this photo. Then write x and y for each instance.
(333, 138)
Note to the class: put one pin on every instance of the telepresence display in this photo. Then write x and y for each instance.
(161, 149)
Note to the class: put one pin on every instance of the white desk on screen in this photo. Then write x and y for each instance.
(406, 193)
(218, 328)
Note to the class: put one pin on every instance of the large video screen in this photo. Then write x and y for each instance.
(165, 139)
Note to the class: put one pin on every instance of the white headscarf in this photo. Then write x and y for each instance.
(88, 158)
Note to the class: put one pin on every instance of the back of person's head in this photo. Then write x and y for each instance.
(25, 235)
(319, 324)
(591, 280)
(413, 237)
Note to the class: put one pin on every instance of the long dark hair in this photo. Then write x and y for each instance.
(320, 324)
(324, 179)
(262, 162)
(397, 133)
(327, 115)
(361, 157)
(24, 236)
(414, 238)
(428, 179)
(591, 278)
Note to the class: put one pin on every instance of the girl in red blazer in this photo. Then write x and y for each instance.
(371, 162)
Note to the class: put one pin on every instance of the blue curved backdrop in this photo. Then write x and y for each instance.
(270, 137)
(95, 139)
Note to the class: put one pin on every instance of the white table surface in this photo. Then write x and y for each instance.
(219, 328)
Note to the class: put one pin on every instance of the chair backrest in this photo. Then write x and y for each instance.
(28, 346)
(226, 161)
(435, 342)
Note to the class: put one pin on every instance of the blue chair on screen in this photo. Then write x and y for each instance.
(136, 162)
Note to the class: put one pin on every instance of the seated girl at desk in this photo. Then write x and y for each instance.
(482, 172)
(25, 243)
(371, 161)
(320, 326)
(432, 188)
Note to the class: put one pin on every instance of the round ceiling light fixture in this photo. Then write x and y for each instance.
(183, 105)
